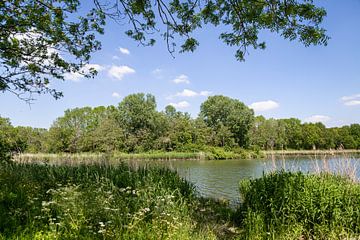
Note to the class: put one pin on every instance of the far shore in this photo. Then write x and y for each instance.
(115, 157)
(312, 152)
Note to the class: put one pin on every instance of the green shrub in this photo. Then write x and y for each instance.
(191, 147)
(219, 153)
(286, 205)
(4, 151)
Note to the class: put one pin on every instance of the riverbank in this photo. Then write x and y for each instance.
(311, 152)
(106, 202)
(119, 202)
(116, 157)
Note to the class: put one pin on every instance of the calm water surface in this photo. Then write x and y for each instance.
(220, 179)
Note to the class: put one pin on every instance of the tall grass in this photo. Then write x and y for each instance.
(101, 202)
(311, 152)
(285, 205)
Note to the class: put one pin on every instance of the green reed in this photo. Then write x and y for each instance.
(284, 205)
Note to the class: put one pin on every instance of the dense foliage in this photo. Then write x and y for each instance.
(292, 134)
(286, 205)
(135, 126)
(98, 202)
(43, 40)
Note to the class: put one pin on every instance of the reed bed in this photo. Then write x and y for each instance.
(311, 152)
(117, 157)
(101, 158)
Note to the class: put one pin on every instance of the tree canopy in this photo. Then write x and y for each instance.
(228, 117)
(43, 40)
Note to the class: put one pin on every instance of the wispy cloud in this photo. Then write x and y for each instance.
(180, 105)
(116, 95)
(205, 93)
(76, 77)
(351, 97)
(318, 118)
(124, 51)
(119, 72)
(264, 106)
(158, 72)
(190, 93)
(181, 79)
(352, 103)
(352, 100)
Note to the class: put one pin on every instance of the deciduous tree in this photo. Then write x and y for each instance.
(43, 40)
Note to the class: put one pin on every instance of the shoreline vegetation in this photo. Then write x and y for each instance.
(311, 152)
(106, 202)
(117, 157)
(103, 196)
(120, 202)
(218, 154)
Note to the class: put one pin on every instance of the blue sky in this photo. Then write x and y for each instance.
(285, 80)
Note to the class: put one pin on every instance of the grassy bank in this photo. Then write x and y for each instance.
(116, 157)
(285, 205)
(104, 202)
(311, 152)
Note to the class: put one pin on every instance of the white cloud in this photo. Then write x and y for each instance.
(352, 97)
(352, 100)
(76, 77)
(73, 76)
(317, 118)
(115, 57)
(97, 67)
(124, 51)
(181, 79)
(190, 93)
(180, 105)
(186, 93)
(352, 103)
(31, 35)
(158, 73)
(119, 72)
(33, 38)
(264, 106)
(115, 95)
(205, 93)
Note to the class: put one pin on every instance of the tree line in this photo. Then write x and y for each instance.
(135, 125)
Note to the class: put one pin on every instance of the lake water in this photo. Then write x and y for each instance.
(220, 178)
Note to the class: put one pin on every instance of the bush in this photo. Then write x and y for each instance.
(218, 153)
(4, 151)
(286, 205)
(191, 147)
